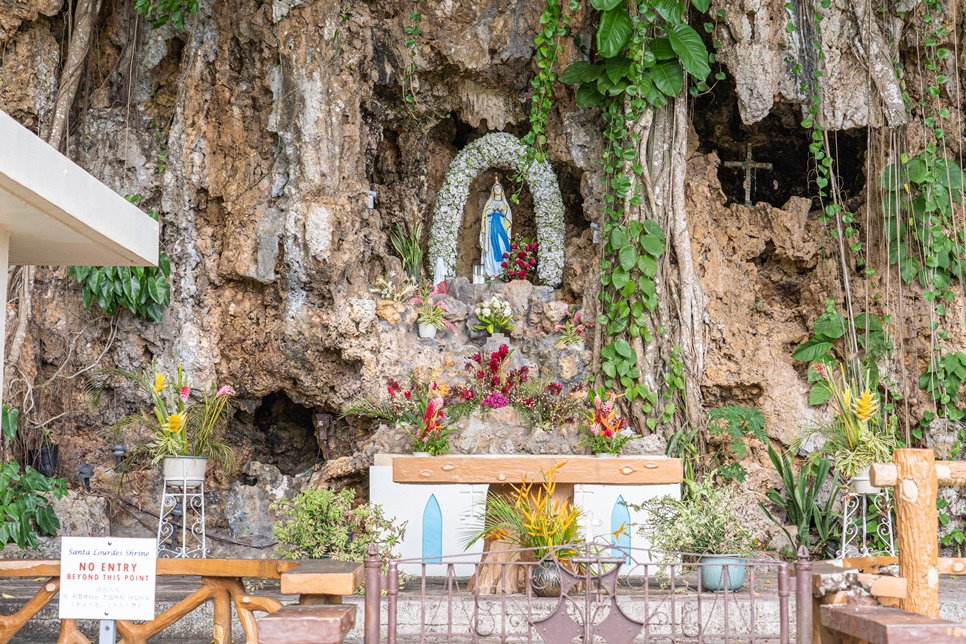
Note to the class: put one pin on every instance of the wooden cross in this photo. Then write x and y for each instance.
(749, 164)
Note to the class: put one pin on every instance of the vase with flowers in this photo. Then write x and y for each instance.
(520, 262)
(184, 433)
(495, 315)
(425, 420)
(606, 433)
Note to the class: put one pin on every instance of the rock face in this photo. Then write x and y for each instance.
(275, 143)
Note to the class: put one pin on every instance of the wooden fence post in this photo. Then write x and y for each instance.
(917, 523)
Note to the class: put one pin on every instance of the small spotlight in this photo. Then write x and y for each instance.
(85, 473)
(119, 453)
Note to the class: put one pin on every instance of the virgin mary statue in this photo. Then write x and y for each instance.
(495, 231)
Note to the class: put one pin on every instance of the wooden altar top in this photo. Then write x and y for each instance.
(498, 469)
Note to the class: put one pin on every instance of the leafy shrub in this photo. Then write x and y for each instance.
(322, 523)
(733, 424)
(24, 507)
(161, 12)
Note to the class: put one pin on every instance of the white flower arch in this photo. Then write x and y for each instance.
(500, 149)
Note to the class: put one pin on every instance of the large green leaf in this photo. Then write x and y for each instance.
(701, 5)
(618, 68)
(661, 48)
(588, 96)
(668, 77)
(670, 10)
(831, 325)
(574, 72)
(812, 349)
(604, 5)
(614, 32)
(688, 45)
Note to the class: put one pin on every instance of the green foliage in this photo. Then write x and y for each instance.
(827, 347)
(8, 421)
(322, 523)
(142, 290)
(408, 246)
(733, 424)
(24, 506)
(942, 380)
(413, 31)
(161, 12)
(799, 499)
(955, 538)
(642, 57)
(702, 522)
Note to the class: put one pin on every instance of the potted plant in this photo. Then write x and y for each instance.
(431, 313)
(604, 434)
(701, 523)
(323, 524)
(858, 434)
(495, 315)
(531, 518)
(184, 435)
(572, 331)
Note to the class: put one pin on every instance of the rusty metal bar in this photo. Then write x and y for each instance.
(784, 590)
(372, 565)
(392, 594)
(803, 601)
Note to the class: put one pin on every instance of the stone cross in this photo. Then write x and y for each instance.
(749, 164)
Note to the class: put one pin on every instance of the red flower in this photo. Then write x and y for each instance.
(521, 255)
(519, 262)
(503, 351)
(480, 375)
(467, 395)
(477, 357)
(407, 395)
(503, 264)
(506, 255)
(513, 246)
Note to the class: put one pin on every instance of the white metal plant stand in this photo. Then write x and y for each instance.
(855, 524)
(181, 524)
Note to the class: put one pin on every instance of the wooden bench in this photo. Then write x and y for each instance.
(315, 582)
(881, 625)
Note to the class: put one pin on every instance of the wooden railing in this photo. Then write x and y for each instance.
(315, 582)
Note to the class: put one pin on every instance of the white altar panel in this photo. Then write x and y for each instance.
(604, 512)
(449, 511)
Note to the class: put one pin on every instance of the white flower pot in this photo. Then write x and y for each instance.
(862, 484)
(608, 455)
(421, 454)
(184, 471)
(427, 330)
(577, 347)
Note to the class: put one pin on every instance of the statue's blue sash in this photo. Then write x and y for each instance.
(499, 241)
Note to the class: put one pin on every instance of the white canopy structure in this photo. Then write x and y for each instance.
(52, 212)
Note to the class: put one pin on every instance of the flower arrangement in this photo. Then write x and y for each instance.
(572, 330)
(532, 519)
(178, 427)
(432, 312)
(604, 434)
(520, 261)
(495, 315)
(425, 419)
(546, 406)
(859, 434)
(491, 376)
(499, 149)
(393, 289)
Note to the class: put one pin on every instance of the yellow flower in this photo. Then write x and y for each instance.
(443, 389)
(865, 407)
(174, 422)
(158, 382)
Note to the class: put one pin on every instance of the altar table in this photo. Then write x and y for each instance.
(442, 497)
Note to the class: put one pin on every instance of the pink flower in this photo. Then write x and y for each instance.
(226, 390)
(184, 394)
(495, 400)
(577, 316)
(449, 325)
(819, 368)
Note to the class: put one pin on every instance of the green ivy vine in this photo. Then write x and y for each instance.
(413, 31)
(161, 12)
(643, 51)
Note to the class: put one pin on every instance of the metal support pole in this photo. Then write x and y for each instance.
(784, 590)
(392, 603)
(372, 566)
(107, 632)
(803, 601)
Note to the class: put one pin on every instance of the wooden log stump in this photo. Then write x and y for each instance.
(917, 525)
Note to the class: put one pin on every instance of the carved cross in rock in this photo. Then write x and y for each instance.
(749, 164)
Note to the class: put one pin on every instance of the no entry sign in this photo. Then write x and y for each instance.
(107, 578)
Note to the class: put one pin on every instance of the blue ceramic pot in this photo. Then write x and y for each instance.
(713, 573)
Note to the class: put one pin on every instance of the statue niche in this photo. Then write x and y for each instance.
(495, 150)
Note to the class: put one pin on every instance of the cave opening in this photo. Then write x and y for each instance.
(284, 434)
(778, 139)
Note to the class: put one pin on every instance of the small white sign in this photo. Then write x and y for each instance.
(107, 578)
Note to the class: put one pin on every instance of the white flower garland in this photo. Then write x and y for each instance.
(500, 149)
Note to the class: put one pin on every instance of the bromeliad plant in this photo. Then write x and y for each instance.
(531, 518)
(178, 426)
(572, 330)
(495, 315)
(859, 435)
(605, 432)
(432, 311)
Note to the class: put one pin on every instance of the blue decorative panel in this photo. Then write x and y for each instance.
(621, 516)
(433, 531)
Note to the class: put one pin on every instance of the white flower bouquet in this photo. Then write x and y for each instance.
(494, 315)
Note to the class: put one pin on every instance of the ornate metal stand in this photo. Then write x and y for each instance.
(181, 527)
(855, 524)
